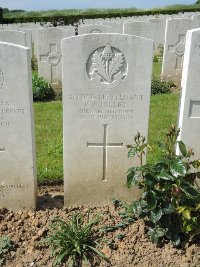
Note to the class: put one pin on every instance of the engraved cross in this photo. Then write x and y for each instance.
(53, 58)
(178, 49)
(105, 145)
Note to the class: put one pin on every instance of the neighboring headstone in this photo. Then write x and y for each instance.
(17, 146)
(116, 27)
(140, 28)
(106, 92)
(189, 114)
(94, 29)
(1, 15)
(15, 37)
(196, 21)
(174, 48)
(159, 39)
(28, 37)
(49, 54)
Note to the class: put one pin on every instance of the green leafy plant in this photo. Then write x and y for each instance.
(75, 241)
(41, 89)
(160, 87)
(170, 201)
(5, 246)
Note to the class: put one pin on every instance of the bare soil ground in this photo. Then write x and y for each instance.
(27, 229)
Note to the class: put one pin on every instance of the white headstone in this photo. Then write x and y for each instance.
(49, 54)
(174, 48)
(15, 37)
(116, 27)
(106, 94)
(160, 25)
(140, 28)
(17, 146)
(28, 33)
(189, 114)
(99, 28)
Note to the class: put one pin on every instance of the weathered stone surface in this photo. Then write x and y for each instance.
(106, 93)
(99, 28)
(17, 146)
(174, 48)
(159, 38)
(12, 36)
(189, 114)
(140, 28)
(116, 27)
(49, 54)
(28, 33)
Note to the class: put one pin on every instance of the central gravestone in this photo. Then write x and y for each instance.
(106, 93)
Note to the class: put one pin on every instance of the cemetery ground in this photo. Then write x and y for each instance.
(123, 247)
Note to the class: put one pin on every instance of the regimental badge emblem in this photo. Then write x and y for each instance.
(107, 67)
(1, 78)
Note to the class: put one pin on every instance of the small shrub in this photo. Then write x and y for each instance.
(159, 87)
(170, 201)
(41, 89)
(5, 246)
(75, 241)
(155, 58)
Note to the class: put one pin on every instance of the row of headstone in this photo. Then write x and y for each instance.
(106, 91)
(47, 47)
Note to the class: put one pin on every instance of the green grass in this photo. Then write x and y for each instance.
(157, 66)
(163, 112)
(48, 132)
(48, 129)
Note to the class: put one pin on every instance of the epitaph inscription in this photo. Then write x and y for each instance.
(8, 189)
(107, 67)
